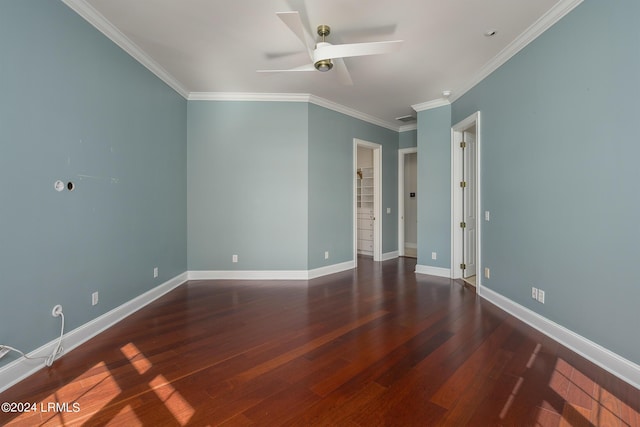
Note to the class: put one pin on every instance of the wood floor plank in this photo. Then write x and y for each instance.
(375, 346)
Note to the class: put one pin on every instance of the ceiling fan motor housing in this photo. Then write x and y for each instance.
(322, 64)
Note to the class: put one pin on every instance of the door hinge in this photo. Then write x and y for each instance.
(463, 184)
(463, 144)
(463, 224)
(463, 266)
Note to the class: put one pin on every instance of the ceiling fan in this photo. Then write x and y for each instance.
(325, 56)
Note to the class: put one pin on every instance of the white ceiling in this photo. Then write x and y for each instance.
(216, 46)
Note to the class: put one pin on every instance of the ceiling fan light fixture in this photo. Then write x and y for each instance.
(324, 65)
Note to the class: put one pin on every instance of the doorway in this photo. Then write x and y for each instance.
(367, 200)
(465, 200)
(407, 202)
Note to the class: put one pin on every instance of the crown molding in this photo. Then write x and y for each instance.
(247, 96)
(351, 112)
(95, 18)
(441, 102)
(291, 97)
(407, 128)
(546, 21)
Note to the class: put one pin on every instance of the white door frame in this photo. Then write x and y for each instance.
(402, 152)
(377, 198)
(456, 197)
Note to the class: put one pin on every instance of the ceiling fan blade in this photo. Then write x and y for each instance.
(328, 51)
(293, 21)
(342, 71)
(306, 67)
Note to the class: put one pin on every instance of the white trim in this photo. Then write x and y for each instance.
(95, 18)
(406, 128)
(269, 274)
(351, 112)
(248, 275)
(20, 369)
(546, 21)
(355, 203)
(246, 96)
(606, 359)
(553, 15)
(410, 245)
(433, 271)
(456, 196)
(429, 105)
(402, 152)
(331, 269)
(291, 97)
(102, 24)
(390, 255)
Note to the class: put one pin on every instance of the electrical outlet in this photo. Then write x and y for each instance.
(388, 211)
(3, 351)
(487, 216)
(534, 293)
(541, 296)
(234, 258)
(94, 298)
(487, 273)
(326, 254)
(57, 310)
(434, 255)
(155, 272)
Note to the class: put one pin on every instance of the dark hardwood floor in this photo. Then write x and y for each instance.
(370, 347)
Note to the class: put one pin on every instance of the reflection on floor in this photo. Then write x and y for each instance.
(376, 345)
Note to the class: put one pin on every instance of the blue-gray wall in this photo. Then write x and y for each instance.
(560, 173)
(331, 178)
(248, 185)
(408, 139)
(273, 183)
(75, 107)
(434, 186)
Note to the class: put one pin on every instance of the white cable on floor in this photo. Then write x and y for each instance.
(58, 350)
(48, 359)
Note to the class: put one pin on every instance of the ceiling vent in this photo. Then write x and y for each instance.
(406, 119)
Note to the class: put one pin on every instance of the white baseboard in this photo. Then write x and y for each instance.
(20, 369)
(390, 255)
(270, 274)
(410, 245)
(606, 359)
(331, 269)
(247, 275)
(433, 271)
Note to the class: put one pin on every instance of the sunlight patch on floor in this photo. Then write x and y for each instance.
(586, 401)
(126, 417)
(136, 358)
(174, 402)
(102, 389)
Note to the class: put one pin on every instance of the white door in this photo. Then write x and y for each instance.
(469, 195)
